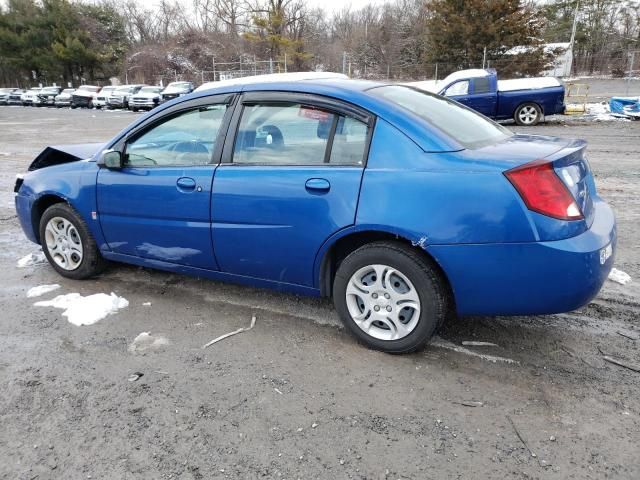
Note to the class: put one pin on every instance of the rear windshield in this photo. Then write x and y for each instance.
(467, 127)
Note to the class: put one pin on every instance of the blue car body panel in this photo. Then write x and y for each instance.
(273, 226)
(502, 105)
(267, 224)
(133, 224)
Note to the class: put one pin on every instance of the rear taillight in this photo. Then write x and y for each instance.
(543, 191)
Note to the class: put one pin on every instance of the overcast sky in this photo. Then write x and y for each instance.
(329, 5)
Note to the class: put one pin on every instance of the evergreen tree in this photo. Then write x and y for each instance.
(458, 32)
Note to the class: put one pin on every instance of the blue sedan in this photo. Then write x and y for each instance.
(402, 205)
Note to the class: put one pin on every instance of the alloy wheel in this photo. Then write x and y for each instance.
(63, 243)
(383, 302)
(528, 115)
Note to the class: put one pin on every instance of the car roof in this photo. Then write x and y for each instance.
(355, 92)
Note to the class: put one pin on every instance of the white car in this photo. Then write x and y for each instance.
(101, 99)
(83, 97)
(63, 99)
(119, 98)
(176, 89)
(146, 99)
(30, 97)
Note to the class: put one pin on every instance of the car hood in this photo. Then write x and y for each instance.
(174, 90)
(146, 95)
(84, 93)
(56, 155)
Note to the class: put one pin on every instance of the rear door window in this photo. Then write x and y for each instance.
(298, 134)
(481, 85)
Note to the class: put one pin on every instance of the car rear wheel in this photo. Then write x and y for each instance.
(390, 297)
(528, 114)
(68, 244)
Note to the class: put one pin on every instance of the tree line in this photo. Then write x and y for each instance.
(62, 41)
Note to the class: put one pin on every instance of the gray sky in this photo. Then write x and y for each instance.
(328, 5)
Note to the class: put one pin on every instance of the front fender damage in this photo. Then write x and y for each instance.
(59, 154)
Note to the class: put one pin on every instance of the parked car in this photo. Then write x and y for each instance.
(83, 96)
(15, 97)
(30, 97)
(176, 89)
(5, 93)
(101, 100)
(402, 205)
(47, 95)
(119, 98)
(64, 98)
(146, 99)
(525, 100)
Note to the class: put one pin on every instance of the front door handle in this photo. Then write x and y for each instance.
(186, 184)
(317, 185)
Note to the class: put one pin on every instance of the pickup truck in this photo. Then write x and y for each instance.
(525, 100)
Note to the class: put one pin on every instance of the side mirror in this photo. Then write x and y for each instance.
(111, 159)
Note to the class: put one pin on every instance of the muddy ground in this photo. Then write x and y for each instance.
(296, 397)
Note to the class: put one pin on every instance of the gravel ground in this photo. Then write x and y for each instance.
(296, 397)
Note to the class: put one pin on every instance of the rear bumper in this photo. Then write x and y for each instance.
(531, 278)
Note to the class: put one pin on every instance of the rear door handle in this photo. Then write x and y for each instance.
(317, 185)
(187, 184)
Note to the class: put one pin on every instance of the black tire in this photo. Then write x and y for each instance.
(92, 262)
(528, 114)
(134, 109)
(431, 288)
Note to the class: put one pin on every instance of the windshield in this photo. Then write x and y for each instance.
(464, 125)
(88, 88)
(179, 85)
(68, 90)
(123, 90)
(151, 89)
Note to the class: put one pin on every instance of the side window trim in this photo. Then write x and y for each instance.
(335, 106)
(225, 99)
(219, 99)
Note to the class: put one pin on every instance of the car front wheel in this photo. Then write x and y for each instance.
(390, 297)
(68, 244)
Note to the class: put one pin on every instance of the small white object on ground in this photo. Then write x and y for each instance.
(41, 290)
(473, 343)
(235, 332)
(441, 343)
(88, 310)
(619, 276)
(146, 304)
(37, 258)
(145, 341)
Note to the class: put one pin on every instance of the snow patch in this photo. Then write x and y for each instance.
(88, 310)
(527, 83)
(600, 112)
(441, 343)
(41, 290)
(37, 258)
(619, 276)
(145, 341)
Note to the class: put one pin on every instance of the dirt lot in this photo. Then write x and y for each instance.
(296, 397)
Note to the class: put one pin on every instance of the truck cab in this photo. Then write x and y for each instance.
(525, 100)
